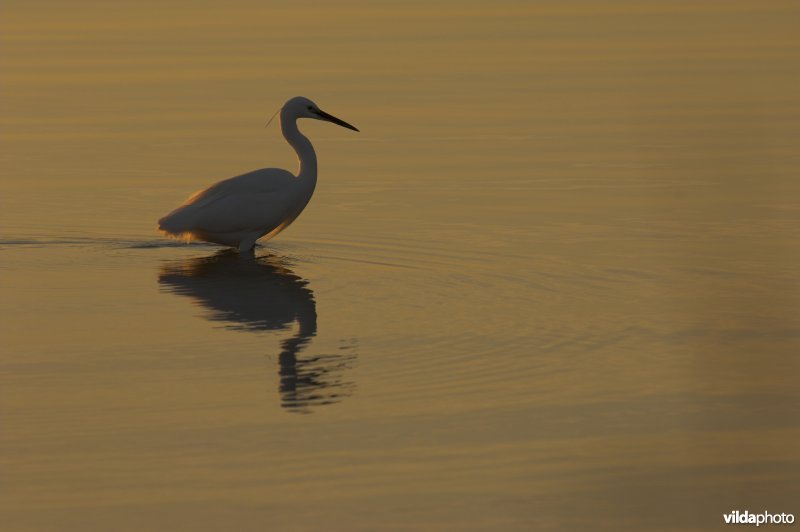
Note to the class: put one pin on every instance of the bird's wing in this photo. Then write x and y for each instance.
(246, 202)
(264, 181)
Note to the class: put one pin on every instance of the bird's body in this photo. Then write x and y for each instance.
(238, 211)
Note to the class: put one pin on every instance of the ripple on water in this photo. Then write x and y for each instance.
(441, 318)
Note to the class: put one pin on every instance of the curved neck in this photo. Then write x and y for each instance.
(302, 146)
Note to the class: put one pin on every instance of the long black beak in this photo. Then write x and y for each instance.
(330, 118)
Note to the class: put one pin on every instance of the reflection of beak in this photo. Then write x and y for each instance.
(330, 118)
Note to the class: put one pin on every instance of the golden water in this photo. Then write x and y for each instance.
(552, 284)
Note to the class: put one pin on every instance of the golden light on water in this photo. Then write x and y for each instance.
(551, 284)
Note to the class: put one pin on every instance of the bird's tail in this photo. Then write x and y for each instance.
(171, 225)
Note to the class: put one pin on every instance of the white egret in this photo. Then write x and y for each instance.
(238, 211)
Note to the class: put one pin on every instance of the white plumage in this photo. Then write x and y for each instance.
(238, 211)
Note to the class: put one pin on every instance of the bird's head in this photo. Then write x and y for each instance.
(300, 107)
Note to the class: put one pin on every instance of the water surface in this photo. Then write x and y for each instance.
(553, 284)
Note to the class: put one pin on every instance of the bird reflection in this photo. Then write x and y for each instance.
(263, 294)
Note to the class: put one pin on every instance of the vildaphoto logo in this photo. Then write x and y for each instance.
(764, 518)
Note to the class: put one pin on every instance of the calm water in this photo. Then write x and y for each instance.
(553, 284)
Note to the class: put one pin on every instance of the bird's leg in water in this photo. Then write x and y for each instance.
(247, 245)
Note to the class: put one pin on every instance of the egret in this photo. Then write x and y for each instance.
(238, 211)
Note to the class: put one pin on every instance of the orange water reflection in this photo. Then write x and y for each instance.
(257, 294)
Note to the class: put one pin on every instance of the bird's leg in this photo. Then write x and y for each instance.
(247, 245)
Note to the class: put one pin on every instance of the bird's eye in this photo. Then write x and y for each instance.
(310, 107)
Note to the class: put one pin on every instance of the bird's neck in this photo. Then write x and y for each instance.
(302, 146)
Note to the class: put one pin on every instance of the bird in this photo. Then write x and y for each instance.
(238, 211)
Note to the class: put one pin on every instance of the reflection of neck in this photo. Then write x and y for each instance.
(293, 382)
(307, 321)
(302, 146)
